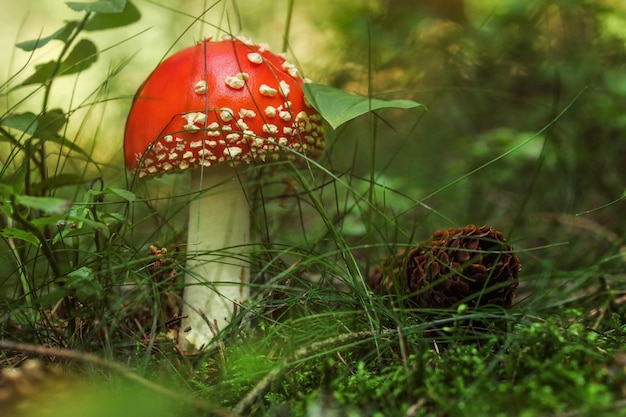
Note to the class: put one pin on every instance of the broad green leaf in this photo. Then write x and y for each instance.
(49, 126)
(120, 192)
(43, 73)
(58, 220)
(80, 57)
(56, 181)
(81, 231)
(86, 225)
(24, 122)
(5, 138)
(50, 123)
(69, 233)
(72, 225)
(11, 233)
(99, 6)
(64, 142)
(338, 107)
(112, 218)
(62, 35)
(13, 182)
(51, 205)
(102, 21)
(93, 225)
(22, 318)
(85, 284)
(46, 300)
(6, 190)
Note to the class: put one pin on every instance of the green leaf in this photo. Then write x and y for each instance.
(99, 6)
(84, 283)
(64, 142)
(92, 225)
(57, 220)
(50, 123)
(76, 223)
(11, 233)
(22, 318)
(43, 72)
(49, 299)
(338, 107)
(120, 192)
(57, 181)
(6, 138)
(13, 182)
(49, 126)
(80, 58)
(6, 190)
(47, 204)
(24, 122)
(102, 21)
(113, 218)
(81, 225)
(62, 35)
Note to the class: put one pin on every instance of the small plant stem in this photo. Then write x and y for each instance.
(45, 246)
(11, 138)
(29, 157)
(371, 195)
(48, 87)
(287, 25)
(237, 15)
(20, 268)
(57, 66)
(94, 213)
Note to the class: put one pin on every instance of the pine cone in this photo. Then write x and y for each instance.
(22, 389)
(472, 265)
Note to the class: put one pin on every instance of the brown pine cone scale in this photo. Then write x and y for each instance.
(471, 265)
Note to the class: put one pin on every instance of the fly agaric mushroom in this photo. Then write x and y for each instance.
(205, 109)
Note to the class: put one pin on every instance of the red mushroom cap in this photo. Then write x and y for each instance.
(223, 101)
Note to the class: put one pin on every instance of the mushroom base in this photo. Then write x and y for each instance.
(217, 272)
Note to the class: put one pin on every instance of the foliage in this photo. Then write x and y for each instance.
(338, 108)
(60, 250)
(524, 131)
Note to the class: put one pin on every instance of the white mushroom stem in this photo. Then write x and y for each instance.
(217, 275)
